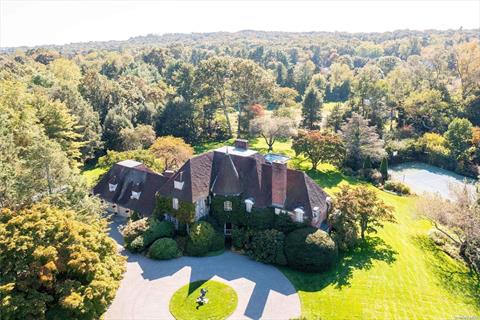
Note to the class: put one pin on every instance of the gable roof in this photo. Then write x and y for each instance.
(130, 178)
(227, 181)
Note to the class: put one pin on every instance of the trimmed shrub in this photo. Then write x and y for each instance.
(213, 221)
(137, 245)
(397, 187)
(181, 243)
(284, 223)
(261, 218)
(267, 246)
(133, 229)
(310, 249)
(163, 249)
(200, 239)
(238, 238)
(157, 230)
(218, 242)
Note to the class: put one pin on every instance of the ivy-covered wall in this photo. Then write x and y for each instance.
(258, 218)
(185, 213)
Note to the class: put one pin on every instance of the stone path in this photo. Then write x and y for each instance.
(145, 292)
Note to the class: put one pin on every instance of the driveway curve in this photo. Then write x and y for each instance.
(145, 291)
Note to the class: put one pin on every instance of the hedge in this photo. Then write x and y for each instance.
(200, 239)
(163, 249)
(143, 238)
(267, 246)
(310, 249)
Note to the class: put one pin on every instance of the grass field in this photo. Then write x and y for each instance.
(397, 274)
(222, 301)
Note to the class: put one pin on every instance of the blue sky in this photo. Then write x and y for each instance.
(59, 22)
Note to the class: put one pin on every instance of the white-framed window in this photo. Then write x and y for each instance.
(299, 214)
(316, 212)
(178, 185)
(112, 187)
(227, 206)
(249, 204)
(135, 195)
(277, 210)
(175, 203)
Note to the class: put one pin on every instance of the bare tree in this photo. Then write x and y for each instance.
(458, 220)
(272, 128)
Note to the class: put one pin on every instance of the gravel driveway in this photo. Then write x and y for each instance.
(145, 291)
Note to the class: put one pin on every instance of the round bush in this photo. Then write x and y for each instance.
(158, 229)
(218, 242)
(134, 229)
(310, 249)
(163, 249)
(137, 245)
(238, 238)
(200, 238)
(267, 247)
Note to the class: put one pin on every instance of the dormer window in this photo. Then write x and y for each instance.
(178, 185)
(178, 182)
(135, 195)
(249, 204)
(175, 203)
(112, 187)
(316, 212)
(299, 214)
(227, 206)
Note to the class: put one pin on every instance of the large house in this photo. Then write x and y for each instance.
(260, 182)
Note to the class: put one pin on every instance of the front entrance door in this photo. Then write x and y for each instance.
(228, 229)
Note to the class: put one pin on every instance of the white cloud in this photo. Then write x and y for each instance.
(59, 22)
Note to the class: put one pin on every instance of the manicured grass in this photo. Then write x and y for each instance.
(222, 301)
(397, 274)
(92, 175)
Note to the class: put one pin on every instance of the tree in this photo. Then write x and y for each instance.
(426, 111)
(178, 119)
(71, 271)
(251, 84)
(140, 137)
(272, 128)
(384, 168)
(361, 141)
(115, 121)
(362, 205)
(172, 151)
(311, 110)
(213, 78)
(459, 139)
(467, 63)
(457, 220)
(319, 147)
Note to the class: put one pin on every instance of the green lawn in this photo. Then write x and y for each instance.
(397, 274)
(92, 175)
(222, 301)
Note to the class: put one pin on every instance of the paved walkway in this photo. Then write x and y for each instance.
(145, 292)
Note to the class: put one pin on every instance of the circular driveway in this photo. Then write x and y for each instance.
(145, 291)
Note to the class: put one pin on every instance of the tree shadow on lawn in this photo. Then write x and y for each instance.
(361, 258)
(459, 281)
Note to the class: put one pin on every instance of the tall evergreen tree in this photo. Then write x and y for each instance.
(311, 110)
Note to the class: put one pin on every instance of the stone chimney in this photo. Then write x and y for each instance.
(241, 144)
(279, 184)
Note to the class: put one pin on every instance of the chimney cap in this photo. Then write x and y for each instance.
(241, 144)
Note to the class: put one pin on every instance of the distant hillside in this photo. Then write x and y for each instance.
(272, 38)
